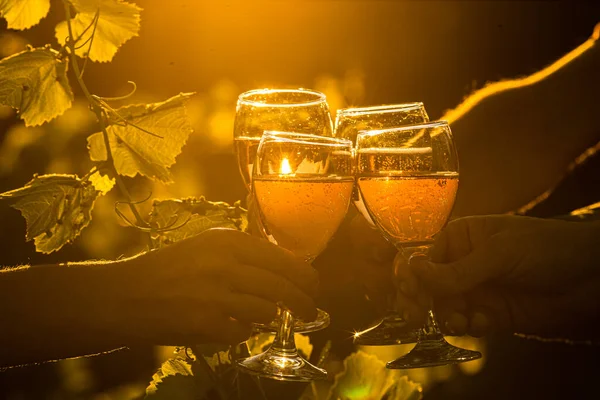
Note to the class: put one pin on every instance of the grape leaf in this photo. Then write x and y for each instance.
(176, 379)
(56, 208)
(219, 361)
(365, 377)
(404, 389)
(259, 342)
(118, 21)
(216, 371)
(102, 183)
(137, 152)
(174, 366)
(215, 355)
(176, 220)
(303, 345)
(35, 83)
(23, 14)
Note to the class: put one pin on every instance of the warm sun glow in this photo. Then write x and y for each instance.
(286, 169)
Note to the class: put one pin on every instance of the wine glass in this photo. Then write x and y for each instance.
(296, 110)
(349, 121)
(302, 185)
(408, 178)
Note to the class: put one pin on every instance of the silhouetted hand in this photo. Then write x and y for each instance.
(509, 273)
(372, 258)
(211, 288)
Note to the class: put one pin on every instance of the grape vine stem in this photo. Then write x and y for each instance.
(97, 109)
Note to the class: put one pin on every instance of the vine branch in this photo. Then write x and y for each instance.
(131, 93)
(98, 110)
(87, 54)
(90, 173)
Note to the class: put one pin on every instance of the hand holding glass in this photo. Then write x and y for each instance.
(408, 178)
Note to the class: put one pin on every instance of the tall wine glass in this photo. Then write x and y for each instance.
(408, 178)
(349, 121)
(295, 110)
(302, 185)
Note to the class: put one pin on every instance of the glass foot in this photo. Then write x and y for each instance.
(321, 322)
(433, 353)
(281, 367)
(390, 331)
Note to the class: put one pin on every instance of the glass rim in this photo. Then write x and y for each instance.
(319, 97)
(384, 108)
(424, 125)
(306, 138)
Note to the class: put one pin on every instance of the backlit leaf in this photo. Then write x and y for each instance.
(118, 21)
(35, 83)
(366, 377)
(180, 219)
(175, 366)
(137, 152)
(259, 342)
(219, 361)
(303, 345)
(56, 208)
(173, 380)
(102, 183)
(404, 389)
(181, 379)
(23, 14)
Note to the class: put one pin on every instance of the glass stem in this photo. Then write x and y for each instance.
(431, 329)
(284, 343)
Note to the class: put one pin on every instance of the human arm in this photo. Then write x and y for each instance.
(516, 143)
(510, 274)
(208, 288)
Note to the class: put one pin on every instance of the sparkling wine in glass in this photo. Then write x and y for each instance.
(348, 123)
(297, 110)
(408, 178)
(302, 185)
